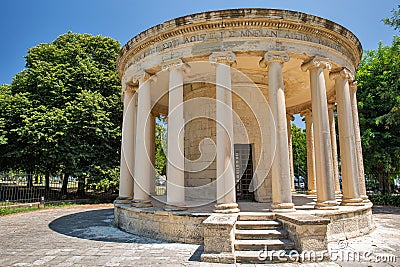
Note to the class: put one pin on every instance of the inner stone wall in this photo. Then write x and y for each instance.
(200, 139)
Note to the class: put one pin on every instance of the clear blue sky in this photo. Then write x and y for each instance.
(26, 23)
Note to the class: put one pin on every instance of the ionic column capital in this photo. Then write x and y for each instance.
(316, 62)
(331, 105)
(175, 64)
(306, 112)
(353, 86)
(342, 73)
(227, 58)
(273, 57)
(289, 117)
(141, 76)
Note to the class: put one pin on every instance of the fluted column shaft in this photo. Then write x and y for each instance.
(153, 154)
(175, 153)
(289, 118)
(226, 193)
(312, 189)
(281, 181)
(322, 138)
(350, 184)
(143, 167)
(334, 149)
(357, 136)
(127, 148)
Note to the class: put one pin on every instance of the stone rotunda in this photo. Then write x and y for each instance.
(229, 83)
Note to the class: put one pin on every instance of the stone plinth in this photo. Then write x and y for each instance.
(219, 237)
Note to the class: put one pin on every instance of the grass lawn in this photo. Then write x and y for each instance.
(8, 210)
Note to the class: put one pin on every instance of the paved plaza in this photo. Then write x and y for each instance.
(85, 236)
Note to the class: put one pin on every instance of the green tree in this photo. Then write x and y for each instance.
(379, 101)
(63, 112)
(299, 151)
(394, 21)
(161, 144)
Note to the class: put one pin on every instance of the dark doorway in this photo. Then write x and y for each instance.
(244, 172)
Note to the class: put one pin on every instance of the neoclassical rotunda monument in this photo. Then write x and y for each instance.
(229, 83)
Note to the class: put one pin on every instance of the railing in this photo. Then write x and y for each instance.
(375, 182)
(16, 189)
(19, 189)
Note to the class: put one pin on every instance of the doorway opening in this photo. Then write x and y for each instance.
(243, 172)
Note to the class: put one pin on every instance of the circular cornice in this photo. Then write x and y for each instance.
(236, 18)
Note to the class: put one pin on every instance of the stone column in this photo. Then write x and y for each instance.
(153, 154)
(175, 146)
(289, 118)
(350, 184)
(226, 193)
(127, 147)
(281, 182)
(322, 138)
(357, 135)
(143, 169)
(331, 106)
(312, 189)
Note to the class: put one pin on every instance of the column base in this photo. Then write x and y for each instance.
(226, 208)
(283, 207)
(326, 205)
(123, 200)
(338, 193)
(365, 199)
(352, 202)
(141, 203)
(175, 207)
(311, 192)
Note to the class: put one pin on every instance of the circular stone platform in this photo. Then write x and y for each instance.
(186, 226)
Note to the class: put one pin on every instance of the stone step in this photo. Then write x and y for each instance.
(261, 234)
(257, 225)
(276, 256)
(256, 216)
(267, 244)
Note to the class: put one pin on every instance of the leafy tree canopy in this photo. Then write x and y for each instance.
(299, 151)
(379, 101)
(63, 112)
(394, 21)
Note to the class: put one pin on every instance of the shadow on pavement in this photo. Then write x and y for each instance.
(96, 225)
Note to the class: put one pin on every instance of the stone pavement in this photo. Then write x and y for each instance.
(84, 236)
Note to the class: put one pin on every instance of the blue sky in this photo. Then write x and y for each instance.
(26, 23)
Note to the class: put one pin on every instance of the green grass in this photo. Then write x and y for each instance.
(6, 211)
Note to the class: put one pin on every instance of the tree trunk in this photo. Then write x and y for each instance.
(47, 182)
(387, 183)
(81, 187)
(29, 182)
(64, 188)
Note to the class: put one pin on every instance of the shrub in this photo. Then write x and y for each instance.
(385, 200)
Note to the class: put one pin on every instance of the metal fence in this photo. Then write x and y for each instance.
(16, 189)
(374, 185)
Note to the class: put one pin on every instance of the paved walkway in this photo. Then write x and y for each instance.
(84, 236)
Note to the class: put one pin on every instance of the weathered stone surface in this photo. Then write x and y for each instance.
(172, 226)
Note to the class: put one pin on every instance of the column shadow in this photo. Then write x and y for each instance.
(96, 225)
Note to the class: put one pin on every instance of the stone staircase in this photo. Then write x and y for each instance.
(256, 231)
